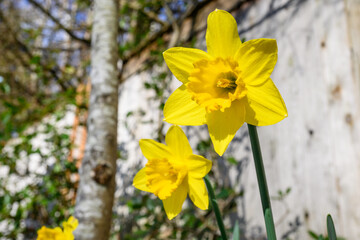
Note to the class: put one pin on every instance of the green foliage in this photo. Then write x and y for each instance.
(203, 146)
(39, 75)
(232, 160)
(17, 114)
(158, 85)
(149, 220)
(330, 229)
(47, 197)
(282, 194)
(236, 231)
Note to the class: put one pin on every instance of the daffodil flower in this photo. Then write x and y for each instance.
(56, 233)
(173, 171)
(226, 86)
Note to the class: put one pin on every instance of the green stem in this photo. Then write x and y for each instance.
(261, 177)
(215, 208)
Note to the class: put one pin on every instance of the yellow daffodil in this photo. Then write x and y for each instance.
(69, 226)
(56, 233)
(173, 171)
(226, 86)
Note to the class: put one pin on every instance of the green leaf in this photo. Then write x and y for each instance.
(236, 231)
(150, 204)
(6, 118)
(330, 228)
(203, 145)
(224, 193)
(35, 60)
(321, 237)
(129, 114)
(232, 160)
(190, 220)
(313, 235)
(5, 88)
(147, 85)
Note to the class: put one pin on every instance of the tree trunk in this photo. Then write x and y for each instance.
(97, 174)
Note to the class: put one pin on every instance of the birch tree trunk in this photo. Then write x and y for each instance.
(97, 174)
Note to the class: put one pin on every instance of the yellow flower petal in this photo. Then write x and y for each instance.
(45, 233)
(140, 181)
(154, 150)
(222, 38)
(173, 204)
(257, 59)
(68, 236)
(177, 141)
(180, 109)
(180, 61)
(198, 166)
(265, 105)
(69, 226)
(223, 125)
(198, 193)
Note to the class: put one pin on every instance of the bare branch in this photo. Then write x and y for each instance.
(165, 28)
(176, 29)
(55, 20)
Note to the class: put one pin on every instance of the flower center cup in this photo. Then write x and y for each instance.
(214, 84)
(227, 80)
(163, 178)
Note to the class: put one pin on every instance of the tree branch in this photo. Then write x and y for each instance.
(55, 20)
(167, 27)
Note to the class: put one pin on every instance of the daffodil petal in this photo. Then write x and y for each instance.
(180, 61)
(257, 59)
(265, 105)
(198, 193)
(178, 143)
(222, 37)
(180, 109)
(198, 166)
(223, 125)
(154, 150)
(45, 233)
(173, 204)
(140, 181)
(70, 225)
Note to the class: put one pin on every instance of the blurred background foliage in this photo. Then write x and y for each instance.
(45, 57)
